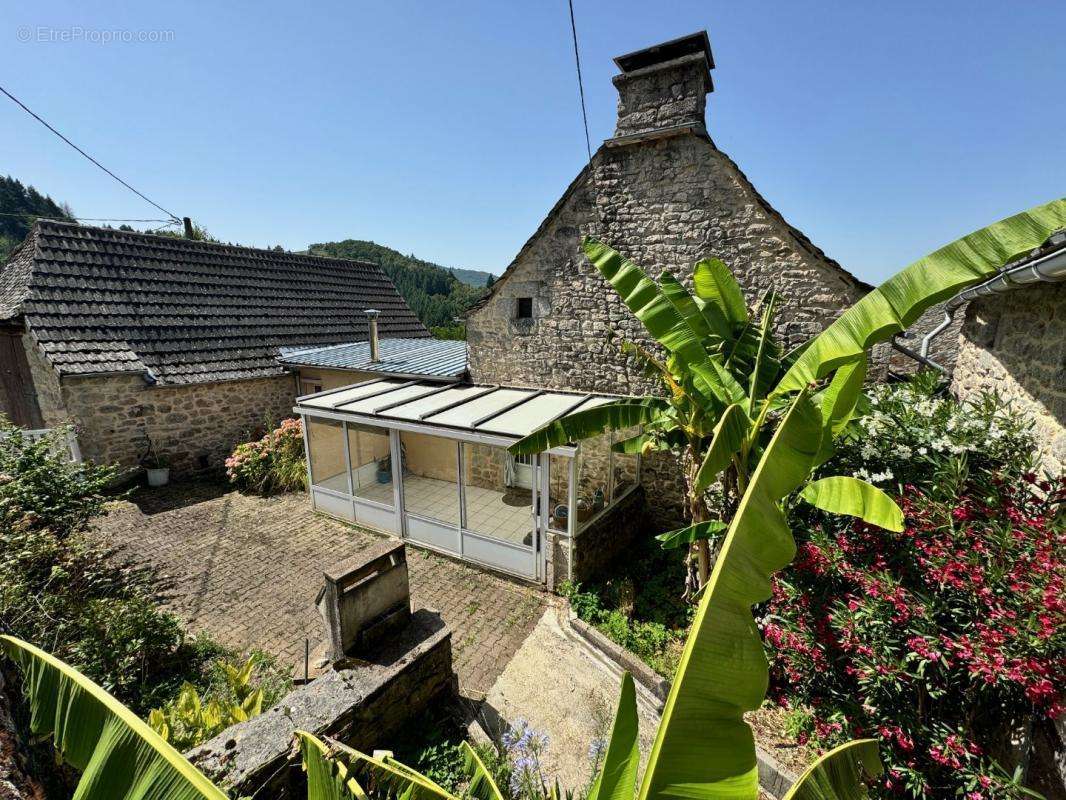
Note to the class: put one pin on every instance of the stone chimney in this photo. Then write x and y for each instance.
(664, 87)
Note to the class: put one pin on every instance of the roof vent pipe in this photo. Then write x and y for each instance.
(372, 318)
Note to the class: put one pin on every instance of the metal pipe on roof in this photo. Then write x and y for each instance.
(372, 317)
(1048, 269)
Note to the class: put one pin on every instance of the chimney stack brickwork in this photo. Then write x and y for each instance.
(666, 95)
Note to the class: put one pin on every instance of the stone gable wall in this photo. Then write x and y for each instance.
(186, 423)
(665, 204)
(1015, 344)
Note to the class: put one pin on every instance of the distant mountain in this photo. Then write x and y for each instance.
(19, 207)
(433, 292)
(473, 277)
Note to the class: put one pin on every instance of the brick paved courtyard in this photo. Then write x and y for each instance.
(247, 569)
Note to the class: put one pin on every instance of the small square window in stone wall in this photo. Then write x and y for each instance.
(524, 308)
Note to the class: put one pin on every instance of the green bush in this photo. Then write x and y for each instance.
(942, 639)
(654, 643)
(235, 692)
(68, 593)
(273, 463)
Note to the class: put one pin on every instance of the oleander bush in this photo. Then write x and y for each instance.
(944, 640)
(273, 463)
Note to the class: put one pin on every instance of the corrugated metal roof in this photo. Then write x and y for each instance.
(438, 358)
(494, 410)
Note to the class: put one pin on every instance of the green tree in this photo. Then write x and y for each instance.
(19, 206)
(436, 296)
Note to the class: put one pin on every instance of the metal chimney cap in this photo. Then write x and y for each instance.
(372, 312)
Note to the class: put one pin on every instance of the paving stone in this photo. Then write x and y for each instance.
(246, 569)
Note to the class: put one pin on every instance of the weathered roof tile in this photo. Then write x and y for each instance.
(103, 300)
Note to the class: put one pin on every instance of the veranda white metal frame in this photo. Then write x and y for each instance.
(486, 415)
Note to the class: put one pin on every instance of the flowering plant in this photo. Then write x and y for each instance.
(273, 463)
(944, 639)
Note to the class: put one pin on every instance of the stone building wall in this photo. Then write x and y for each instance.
(1015, 344)
(666, 204)
(189, 424)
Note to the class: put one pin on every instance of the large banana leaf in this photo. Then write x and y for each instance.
(705, 325)
(328, 778)
(618, 774)
(385, 777)
(838, 774)
(729, 434)
(617, 415)
(838, 402)
(846, 495)
(645, 298)
(715, 283)
(703, 748)
(900, 300)
(671, 540)
(482, 786)
(119, 755)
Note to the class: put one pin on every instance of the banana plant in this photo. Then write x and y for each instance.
(725, 379)
(119, 756)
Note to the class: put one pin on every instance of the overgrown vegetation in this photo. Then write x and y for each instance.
(946, 638)
(67, 592)
(235, 692)
(273, 463)
(436, 295)
(637, 605)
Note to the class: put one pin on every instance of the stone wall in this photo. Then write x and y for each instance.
(1015, 344)
(195, 426)
(360, 703)
(666, 204)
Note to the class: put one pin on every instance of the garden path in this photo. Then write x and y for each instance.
(246, 569)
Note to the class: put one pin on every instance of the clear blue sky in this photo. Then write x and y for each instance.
(881, 130)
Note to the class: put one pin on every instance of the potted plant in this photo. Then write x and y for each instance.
(156, 465)
(385, 470)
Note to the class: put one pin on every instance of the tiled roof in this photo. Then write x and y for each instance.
(100, 300)
(398, 357)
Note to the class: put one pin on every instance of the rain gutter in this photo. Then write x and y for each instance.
(1050, 268)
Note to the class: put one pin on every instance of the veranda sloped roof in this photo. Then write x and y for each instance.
(495, 412)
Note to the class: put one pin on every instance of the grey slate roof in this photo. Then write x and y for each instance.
(99, 300)
(398, 357)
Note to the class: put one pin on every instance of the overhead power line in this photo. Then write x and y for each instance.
(81, 219)
(580, 83)
(24, 107)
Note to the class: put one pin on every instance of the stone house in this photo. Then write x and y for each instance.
(664, 195)
(129, 335)
(1013, 341)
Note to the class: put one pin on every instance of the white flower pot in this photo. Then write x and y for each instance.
(159, 476)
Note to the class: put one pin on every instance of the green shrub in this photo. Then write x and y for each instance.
(941, 639)
(654, 643)
(235, 692)
(68, 593)
(273, 463)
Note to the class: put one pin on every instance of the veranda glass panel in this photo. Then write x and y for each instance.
(430, 477)
(593, 477)
(623, 466)
(368, 452)
(558, 492)
(325, 440)
(498, 494)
